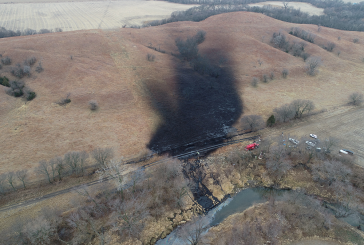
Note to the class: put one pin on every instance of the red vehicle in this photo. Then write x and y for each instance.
(251, 146)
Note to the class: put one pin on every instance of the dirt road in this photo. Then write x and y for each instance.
(345, 123)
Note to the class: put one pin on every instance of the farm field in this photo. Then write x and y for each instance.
(304, 7)
(83, 15)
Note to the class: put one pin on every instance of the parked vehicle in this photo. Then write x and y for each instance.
(251, 146)
(310, 143)
(313, 136)
(346, 152)
(294, 141)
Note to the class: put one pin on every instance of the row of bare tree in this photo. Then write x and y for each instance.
(72, 163)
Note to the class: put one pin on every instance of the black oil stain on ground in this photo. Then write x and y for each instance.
(198, 113)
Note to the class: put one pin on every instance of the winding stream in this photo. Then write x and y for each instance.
(237, 204)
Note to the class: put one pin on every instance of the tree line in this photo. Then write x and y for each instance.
(338, 15)
(10, 33)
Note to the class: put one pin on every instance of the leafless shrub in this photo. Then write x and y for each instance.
(252, 123)
(93, 105)
(356, 40)
(284, 113)
(338, 38)
(44, 31)
(285, 73)
(39, 68)
(265, 78)
(64, 101)
(330, 171)
(16, 88)
(19, 71)
(254, 82)
(297, 49)
(279, 40)
(271, 76)
(6, 60)
(312, 65)
(150, 57)
(102, 155)
(330, 46)
(356, 99)
(260, 62)
(30, 61)
(58, 29)
(305, 56)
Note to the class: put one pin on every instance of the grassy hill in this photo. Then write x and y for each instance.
(111, 67)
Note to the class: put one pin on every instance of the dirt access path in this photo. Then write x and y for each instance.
(344, 123)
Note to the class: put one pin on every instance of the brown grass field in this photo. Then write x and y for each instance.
(111, 68)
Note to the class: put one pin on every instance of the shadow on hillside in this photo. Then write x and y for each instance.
(197, 114)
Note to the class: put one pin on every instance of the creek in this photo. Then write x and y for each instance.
(237, 204)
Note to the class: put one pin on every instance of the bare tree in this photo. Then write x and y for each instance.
(59, 167)
(284, 113)
(2, 184)
(302, 106)
(327, 172)
(329, 143)
(43, 169)
(188, 49)
(277, 169)
(75, 161)
(53, 168)
(192, 231)
(71, 159)
(39, 232)
(312, 65)
(114, 170)
(252, 122)
(102, 155)
(22, 176)
(356, 98)
(10, 178)
(285, 5)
